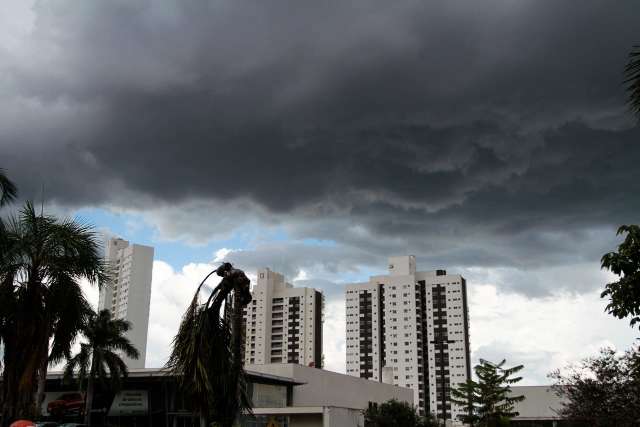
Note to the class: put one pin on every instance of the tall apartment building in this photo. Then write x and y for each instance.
(411, 328)
(283, 324)
(129, 296)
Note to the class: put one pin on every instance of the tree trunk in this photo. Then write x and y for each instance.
(89, 394)
(88, 400)
(236, 337)
(42, 382)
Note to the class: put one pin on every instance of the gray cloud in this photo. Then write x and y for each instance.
(471, 134)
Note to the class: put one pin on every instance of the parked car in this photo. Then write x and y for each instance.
(65, 404)
(73, 425)
(46, 424)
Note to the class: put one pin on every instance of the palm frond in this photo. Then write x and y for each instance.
(203, 358)
(69, 310)
(117, 369)
(8, 190)
(632, 79)
(105, 341)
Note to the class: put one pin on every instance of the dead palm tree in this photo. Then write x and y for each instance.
(206, 356)
(8, 190)
(632, 74)
(99, 357)
(42, 260)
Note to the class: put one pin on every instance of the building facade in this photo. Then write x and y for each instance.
(283, 324)
(283, 395)
(129, 296)
(411, 328)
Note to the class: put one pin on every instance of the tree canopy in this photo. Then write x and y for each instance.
(42, 260)
(601, 391)
(394, 413)
(624, 294)
(99, 356)
(489, 400)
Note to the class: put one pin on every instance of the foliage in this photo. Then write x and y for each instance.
(394, 413)
(99, 357)
(8, 190)
(602, 390)
(624, 295)
(206, 355)
(489, 400)
(42, 260)
(632, 79)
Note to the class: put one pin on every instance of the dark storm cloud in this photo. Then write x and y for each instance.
(466, 132)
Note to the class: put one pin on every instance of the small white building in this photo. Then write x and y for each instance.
(540, 406)
(283, 324)
(321, 398)
(129, 296)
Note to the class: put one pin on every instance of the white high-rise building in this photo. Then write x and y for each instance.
(283, 324)
(129, 296)
(411, 328)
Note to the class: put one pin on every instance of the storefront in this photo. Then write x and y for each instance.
(150, 397)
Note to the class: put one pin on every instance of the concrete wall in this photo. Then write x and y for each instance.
(129, 296)
(326, 388)
(139, 300)
(539, 404)
(342, 417)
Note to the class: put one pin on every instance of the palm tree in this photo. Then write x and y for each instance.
(632, 74)
(99, 357)
(42, 260)
(206, 356)
(8, 190)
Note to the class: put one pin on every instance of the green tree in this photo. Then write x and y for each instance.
(99, 356)
(394, 413)
(601, 391)
(42, 261)
(632, 74)
(489, 400)
(8, 190)
(624, 295)
(206, 356)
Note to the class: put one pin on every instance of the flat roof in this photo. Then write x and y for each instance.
(253, 376)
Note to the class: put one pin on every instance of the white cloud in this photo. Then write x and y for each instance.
(221, 254)
(171, 293)
(542, 333)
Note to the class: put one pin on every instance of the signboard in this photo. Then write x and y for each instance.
(129, 402)
(63, 404)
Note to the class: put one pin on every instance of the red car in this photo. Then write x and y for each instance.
(66, 404)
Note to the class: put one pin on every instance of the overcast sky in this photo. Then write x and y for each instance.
(318, 138)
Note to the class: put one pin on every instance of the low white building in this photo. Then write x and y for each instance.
(322, 398)
(539, 408)
(283, 395)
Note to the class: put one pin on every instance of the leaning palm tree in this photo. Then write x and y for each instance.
(99, 357)
(206, 356)
(42, 260)
(632, 74)
(8, 190)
